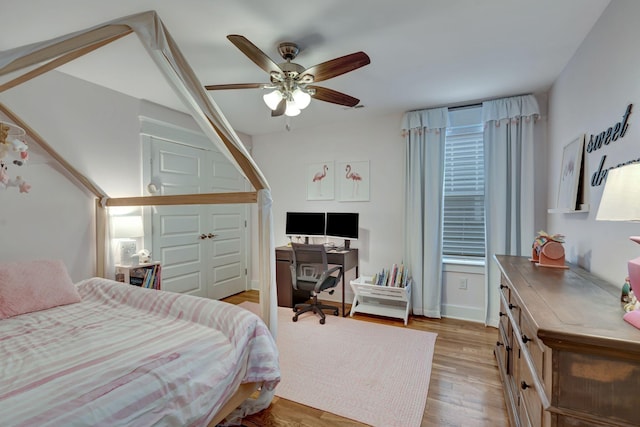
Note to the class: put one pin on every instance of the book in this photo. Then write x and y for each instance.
(393, 271)
(396, 276)
(399, 276)
(406, 280)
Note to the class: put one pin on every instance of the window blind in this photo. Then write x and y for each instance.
(463, 207)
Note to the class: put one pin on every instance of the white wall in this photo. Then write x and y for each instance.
(590, 96)
(283, 158)
(95, 129)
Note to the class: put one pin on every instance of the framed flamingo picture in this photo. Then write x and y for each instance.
(320, 181)
(353, 181)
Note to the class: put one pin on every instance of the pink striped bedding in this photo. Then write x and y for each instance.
(126, 356)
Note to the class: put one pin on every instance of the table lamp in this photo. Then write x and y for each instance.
(125, 230)
(621, 202)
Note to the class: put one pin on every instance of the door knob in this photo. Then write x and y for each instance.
(211, 236)
(202, 236)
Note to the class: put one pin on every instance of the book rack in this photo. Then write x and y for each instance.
(387, 301)
(143, 275)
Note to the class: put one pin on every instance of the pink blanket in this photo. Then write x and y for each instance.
(126, 356)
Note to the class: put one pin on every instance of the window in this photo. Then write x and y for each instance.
(463, 236)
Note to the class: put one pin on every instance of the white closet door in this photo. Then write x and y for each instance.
(202, 248)
(227, 274)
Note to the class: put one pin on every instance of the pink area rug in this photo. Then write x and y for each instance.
(372, 373)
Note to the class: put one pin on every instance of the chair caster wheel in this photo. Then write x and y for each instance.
(295, 318)
(322, 321)
(295, 310)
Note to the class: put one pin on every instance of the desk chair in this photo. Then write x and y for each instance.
(310, 272)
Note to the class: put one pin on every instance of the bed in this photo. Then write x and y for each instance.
(103, 353)
(25, 392)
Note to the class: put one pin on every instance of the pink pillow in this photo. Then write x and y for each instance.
(27, 286)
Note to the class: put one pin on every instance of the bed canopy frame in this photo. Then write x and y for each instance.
(164, 51)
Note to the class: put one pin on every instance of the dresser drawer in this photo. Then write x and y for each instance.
(513, 306)
(504, 302)
(533, 345)
(599, 386)
(530, 402)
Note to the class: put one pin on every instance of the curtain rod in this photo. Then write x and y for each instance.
(463, 107)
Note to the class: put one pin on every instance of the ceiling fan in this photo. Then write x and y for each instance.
(292, 83)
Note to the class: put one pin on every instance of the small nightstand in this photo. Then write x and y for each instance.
(143, 275)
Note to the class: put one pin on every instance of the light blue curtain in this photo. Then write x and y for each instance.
(424, 133)
(509, 186)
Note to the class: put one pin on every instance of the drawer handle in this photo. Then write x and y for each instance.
(524, 385)
(498, 343)
(526, 339)
(512, 306)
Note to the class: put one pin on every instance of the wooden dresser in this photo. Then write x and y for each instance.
(565, 355)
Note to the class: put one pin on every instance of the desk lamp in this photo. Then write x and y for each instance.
(125, 230)
(621, 202)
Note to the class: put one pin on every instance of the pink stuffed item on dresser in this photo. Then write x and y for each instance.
(27, 286)
(633, 317)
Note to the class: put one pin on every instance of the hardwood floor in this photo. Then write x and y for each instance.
(464, 389)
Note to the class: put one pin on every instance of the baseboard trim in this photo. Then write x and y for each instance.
(460, 312)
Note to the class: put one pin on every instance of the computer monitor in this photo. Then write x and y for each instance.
(343, 224)
(305, 224)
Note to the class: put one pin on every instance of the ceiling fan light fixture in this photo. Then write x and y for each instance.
(272, 99)
(301, 98)
(292, 110)
(290, 83)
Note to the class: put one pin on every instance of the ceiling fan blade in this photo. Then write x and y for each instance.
(254, 54)
(333, 96)
(282, 106)
(236, 86)
(336, 67)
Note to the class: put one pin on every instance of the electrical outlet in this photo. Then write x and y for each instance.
(462, 284)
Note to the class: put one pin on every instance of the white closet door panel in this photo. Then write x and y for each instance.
(216, 265)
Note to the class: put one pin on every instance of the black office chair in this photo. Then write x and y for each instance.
(310, 272)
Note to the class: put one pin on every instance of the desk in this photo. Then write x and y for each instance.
(287, 296)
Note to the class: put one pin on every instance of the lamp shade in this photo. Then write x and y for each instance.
(621, 202)
(291, 110)
(621, 195)
(127, 227)
(272, 99)
(301, 98)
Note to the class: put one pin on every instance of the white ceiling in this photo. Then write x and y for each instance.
(424, 53)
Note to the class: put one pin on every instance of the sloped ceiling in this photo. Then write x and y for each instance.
(424, 53)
